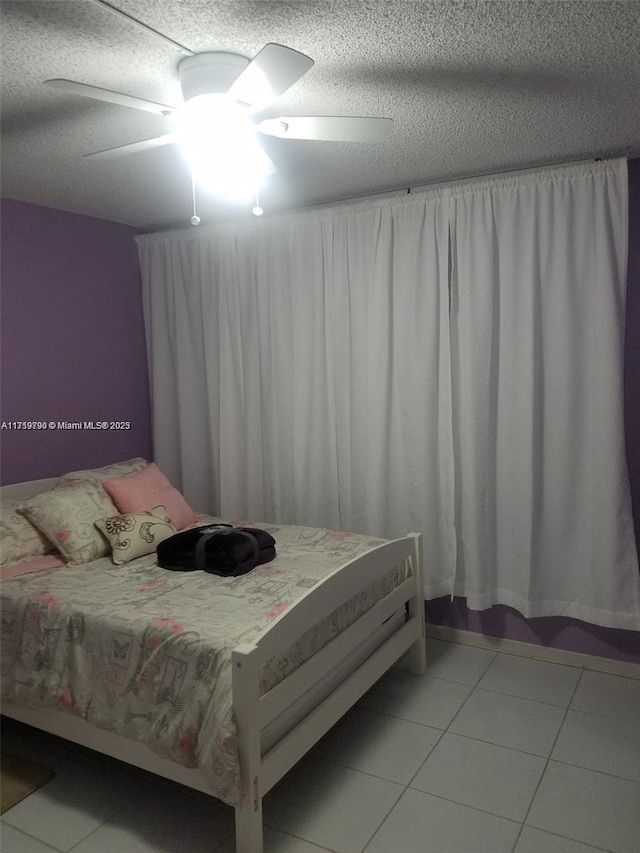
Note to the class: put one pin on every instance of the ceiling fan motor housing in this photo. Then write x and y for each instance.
(209, 73)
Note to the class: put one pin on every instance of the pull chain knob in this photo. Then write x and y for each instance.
(195, 219)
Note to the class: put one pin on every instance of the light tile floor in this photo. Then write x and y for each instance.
(485, 753)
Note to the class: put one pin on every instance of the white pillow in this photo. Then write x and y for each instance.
(66, 517)
(19, 539)
(136, 534)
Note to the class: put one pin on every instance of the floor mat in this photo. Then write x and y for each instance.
(18, 779)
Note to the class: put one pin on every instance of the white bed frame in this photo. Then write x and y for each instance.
(391, 629)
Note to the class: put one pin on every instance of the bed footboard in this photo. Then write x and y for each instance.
(260, 769)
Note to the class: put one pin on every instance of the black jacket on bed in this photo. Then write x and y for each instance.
(217, 548)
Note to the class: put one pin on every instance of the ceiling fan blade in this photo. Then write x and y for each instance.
(131, 148)
(71, 87)
(270, 73)
(328, 128)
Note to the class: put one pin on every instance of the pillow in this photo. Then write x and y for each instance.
(97, 475)
(19, 539)
(66, 517)
(147, 489)
(135, 535)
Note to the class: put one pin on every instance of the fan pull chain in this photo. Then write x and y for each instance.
(195, 219)
(257, 210)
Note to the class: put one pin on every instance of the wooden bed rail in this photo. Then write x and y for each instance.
(314, 670)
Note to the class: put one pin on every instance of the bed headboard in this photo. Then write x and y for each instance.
(26, 490)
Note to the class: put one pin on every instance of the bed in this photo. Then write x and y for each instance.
(263, 695)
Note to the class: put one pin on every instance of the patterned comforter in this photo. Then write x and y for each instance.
(146, 653)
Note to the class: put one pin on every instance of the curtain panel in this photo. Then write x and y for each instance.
(543, 510)
(448, 361)
(300, 369)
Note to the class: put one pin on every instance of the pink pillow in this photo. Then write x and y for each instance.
(147, 489)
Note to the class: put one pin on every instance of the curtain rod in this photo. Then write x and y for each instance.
(418, 188)
(503, 173)
(449, 182)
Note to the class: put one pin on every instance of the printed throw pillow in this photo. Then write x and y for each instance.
(147, 489)
(66, 516)
(97, 475)
(136, 534)
(19, 539)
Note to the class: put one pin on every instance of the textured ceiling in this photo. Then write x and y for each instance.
(473, 88)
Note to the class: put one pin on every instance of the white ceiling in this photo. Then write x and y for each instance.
(473, 87)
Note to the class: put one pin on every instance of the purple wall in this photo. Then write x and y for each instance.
(71, 341)
(559, 632)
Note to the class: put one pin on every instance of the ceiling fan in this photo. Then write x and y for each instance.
(218, 122)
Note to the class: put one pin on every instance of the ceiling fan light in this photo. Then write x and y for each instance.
(236, 173)
(211, 115)
(218, 141)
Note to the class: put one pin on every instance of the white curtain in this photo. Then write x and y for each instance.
(300, 368)
(543, 514)
(448, 362)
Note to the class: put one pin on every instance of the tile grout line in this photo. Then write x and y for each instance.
(548, 759)
(544, 654)
(605, 717)
(28, 835)
(573, 840)
(364, 773)
(526, 698)
(600, 715)
(336, 763)
(392, 807)
(442, 733)
(104, 823)
(297, 838)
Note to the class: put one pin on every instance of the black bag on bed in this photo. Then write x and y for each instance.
(217, 548)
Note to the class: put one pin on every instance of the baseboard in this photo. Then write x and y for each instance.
(531, 650)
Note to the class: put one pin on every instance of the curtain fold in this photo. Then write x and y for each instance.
(448, 362)
(543, 512)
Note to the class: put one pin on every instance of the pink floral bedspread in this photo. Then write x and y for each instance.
(146, 653)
